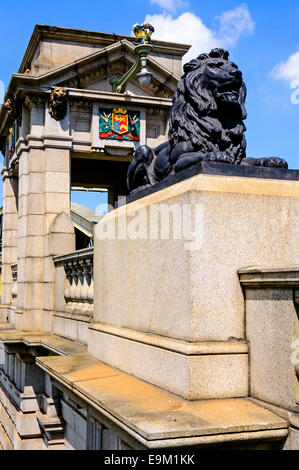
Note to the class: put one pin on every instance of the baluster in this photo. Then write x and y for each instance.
(90, 289)
(86, 284)
(74, 290)
(80, 288)
(69, 280)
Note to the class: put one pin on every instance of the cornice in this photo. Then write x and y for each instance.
(36, 97)
(94, 95)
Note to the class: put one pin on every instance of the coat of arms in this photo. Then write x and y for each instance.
(120, 121)
(11, 141)
(119, 124)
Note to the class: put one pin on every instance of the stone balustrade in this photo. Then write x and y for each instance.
(77, 286)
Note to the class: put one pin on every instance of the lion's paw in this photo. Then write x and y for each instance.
(218, 157)
(273, 162)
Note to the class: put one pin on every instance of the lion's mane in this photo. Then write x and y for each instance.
(195, 116)
(58, 103)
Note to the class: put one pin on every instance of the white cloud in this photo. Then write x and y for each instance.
(234, 23)
(190, 29)
(170, 5)
(187, 28)
(287, 71)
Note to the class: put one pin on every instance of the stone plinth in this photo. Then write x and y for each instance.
(272, 328)
(153, 288)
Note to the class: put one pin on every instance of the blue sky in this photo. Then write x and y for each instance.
(262, 38)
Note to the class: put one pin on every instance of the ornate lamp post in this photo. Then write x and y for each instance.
(143, 34)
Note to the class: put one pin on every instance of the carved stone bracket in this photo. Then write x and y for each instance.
(2, 145)
(10, 172)
(13, 108)
(58, 103)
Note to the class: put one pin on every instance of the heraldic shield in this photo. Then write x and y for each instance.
(119, 124)
(120, 121)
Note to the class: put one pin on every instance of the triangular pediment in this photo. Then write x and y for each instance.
(83, 60)
(95, 72)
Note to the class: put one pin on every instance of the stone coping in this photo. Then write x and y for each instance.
(156, 418)
(209, 183)
(85, 316)
(276, 277)
(74, 256)
(54, 343)
(217, 169)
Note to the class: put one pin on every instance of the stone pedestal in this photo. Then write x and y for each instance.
(169, 307)
(271, 297)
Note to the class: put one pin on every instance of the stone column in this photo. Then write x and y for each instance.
(9, 238)
(44, 192)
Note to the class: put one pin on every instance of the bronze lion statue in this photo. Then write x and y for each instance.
(205, 123)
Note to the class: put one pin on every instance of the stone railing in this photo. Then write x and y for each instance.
(74, 281)
(14, 290)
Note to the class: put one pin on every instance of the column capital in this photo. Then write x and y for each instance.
(35, 101)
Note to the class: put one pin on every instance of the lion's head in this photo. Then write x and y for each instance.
(12, 108)
(209, 106)
(58, 103)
